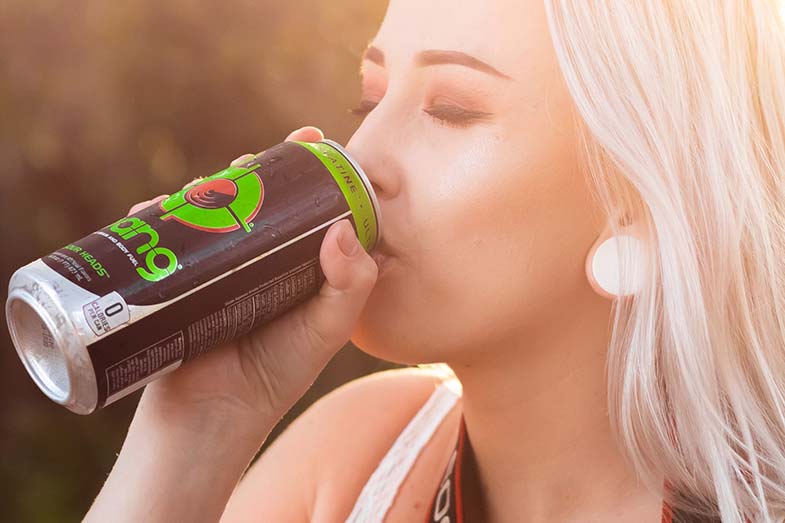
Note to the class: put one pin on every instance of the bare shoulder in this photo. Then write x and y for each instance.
(331, 449)
(374, 405)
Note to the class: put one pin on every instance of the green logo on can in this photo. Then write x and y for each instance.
(223, 202)
(159, 262)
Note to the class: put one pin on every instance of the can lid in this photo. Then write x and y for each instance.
(37, 343)
(366, 182)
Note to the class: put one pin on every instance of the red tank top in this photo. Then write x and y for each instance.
(447, 505)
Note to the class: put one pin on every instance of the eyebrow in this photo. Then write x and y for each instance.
(438, 57)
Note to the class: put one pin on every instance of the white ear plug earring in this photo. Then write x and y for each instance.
(602, 265)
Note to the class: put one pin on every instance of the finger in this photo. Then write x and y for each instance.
(194, 181)
(247, 157)
(141, 205)
(309, 133)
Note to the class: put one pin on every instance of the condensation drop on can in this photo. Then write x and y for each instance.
(274, 232)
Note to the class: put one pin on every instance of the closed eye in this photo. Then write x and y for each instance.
(364, 108)
(446, 114)
(454, 115)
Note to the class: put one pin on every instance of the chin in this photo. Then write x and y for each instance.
(400, 325)
(380, 342)
(385, 336)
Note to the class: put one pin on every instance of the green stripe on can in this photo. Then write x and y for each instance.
(353, 190)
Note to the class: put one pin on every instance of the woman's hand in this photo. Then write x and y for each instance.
(255, 379)
(196, 429)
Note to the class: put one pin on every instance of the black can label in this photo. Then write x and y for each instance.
(211, 261)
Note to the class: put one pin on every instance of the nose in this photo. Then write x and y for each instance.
(374, 151)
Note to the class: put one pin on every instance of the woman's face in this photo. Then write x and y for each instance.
(471, 147)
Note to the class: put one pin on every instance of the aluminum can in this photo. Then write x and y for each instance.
(103, 316)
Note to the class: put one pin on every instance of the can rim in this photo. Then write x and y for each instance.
(80, 396)
(366, 183)
(58, 392)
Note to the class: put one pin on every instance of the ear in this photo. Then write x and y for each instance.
(601, 259)
(591, 259)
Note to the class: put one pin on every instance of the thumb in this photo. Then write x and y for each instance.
(314, 331)
(350, 276)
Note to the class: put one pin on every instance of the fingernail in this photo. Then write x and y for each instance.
(321, 133)
(347, 241)
(247, 157)
(192, 182)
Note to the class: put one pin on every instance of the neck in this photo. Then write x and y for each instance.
(541, 448)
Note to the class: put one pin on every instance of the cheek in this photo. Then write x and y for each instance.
(507, 235)
(409, 317)
(500, 242)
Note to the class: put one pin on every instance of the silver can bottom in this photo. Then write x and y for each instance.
(46, 339)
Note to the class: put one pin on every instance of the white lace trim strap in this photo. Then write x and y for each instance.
(382, 487)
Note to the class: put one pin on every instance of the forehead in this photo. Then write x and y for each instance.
(511, 35)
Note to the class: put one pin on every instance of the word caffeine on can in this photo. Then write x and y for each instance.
(105, 315)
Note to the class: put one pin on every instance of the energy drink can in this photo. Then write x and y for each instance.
(105, 315)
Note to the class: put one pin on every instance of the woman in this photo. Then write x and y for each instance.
(583, 217)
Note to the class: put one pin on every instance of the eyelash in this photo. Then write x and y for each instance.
(445, 114)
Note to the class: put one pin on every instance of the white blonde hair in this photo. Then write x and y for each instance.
(682, 119)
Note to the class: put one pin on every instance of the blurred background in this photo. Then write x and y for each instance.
(104, 104)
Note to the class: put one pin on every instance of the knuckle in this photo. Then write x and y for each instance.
(266, 385)
(313, 336)
(367, 275)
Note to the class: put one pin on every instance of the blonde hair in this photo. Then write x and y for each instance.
(682, 120)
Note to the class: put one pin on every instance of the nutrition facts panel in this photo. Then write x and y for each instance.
(144, 366)
(254, 307)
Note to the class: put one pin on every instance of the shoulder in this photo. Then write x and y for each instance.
(384, 399)
(331, 449)
(366, 416)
